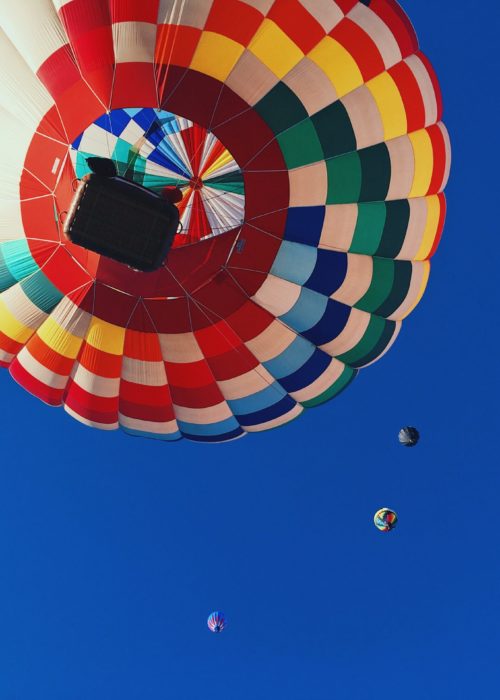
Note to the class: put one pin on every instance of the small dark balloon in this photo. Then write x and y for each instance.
(409, 436)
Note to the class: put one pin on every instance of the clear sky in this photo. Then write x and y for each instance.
(113, 550)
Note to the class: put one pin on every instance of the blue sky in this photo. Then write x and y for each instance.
(113, 550)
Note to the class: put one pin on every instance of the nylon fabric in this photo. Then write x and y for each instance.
(307, 139)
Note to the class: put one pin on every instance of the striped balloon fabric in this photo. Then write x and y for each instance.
(306, 138)
(216, 622)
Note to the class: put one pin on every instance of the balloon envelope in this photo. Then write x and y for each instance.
(385, 519)
(409, 436)
(308, 143)
(216, 622)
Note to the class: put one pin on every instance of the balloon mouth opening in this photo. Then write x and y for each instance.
(155, 149)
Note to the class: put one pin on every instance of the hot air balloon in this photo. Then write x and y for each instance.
(216, 622)
(307, 140)
(409, 436)
(385, 519)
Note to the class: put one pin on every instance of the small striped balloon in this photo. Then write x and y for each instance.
(216, 622)
(385, 519)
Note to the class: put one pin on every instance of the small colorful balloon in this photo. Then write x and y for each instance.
(385, 519)
(216, 622)
(409, 436)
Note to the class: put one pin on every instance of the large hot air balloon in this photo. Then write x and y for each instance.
(306, 138)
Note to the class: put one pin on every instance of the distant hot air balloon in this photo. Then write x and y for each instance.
(216, 622)
(409, 436)
(307, 140)
(385, 519)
